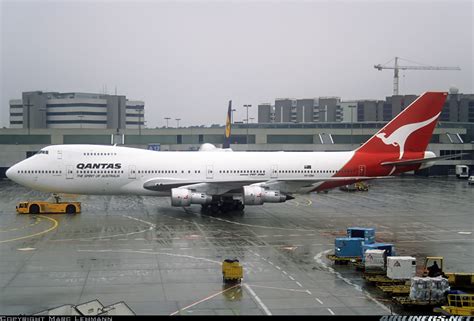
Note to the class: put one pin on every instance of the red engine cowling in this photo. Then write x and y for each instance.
(185, 197)
(256, 195)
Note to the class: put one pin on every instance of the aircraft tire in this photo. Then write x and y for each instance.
(70, 209)
(34, 209)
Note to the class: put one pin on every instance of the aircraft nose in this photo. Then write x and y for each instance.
(11, 172)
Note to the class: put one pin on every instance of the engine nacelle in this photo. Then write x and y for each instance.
(185, 197)
(256, 195)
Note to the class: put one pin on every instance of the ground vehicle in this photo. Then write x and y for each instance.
(462, 171)
(359, 186)
(458, 304)
(232, 271)
(39, 207)
(470, 180)
(433, 266)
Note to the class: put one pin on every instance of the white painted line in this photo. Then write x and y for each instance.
(153, 253)
(321, 302)
(275, 288)
(292, 278)
(27, 249)
(465, 233)
(270, 262)
(279, 268)
(145, 249)
(257, 299)
(319, 260)
(257, 254)
(284, 272)
(299, 284)
(184, 248)
(309, 292)
(204, 248)
(122, 239)
(279, 235)
(263, 236)
(203, 300)
(139, 239)
(311, 234)
(294, 235)
(331, 311)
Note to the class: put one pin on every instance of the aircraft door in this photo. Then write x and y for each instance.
(132, 172)
(274, 171)
(209, 172)
(60, 154)
(69, 172)
(362, 170)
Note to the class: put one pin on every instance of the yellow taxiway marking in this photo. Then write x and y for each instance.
(55, 225)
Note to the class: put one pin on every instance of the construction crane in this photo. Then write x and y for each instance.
(396, 67)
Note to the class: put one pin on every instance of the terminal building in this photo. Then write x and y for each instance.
(39, 109)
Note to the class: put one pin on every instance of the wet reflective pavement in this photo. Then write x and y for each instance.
(164, 260)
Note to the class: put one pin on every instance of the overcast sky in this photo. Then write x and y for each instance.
(187, 59)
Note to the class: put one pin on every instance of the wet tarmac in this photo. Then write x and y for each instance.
(164, 260)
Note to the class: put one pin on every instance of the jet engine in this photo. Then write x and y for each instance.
(256, 195)
(185, 197)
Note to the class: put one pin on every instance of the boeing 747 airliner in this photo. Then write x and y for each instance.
(226, 180)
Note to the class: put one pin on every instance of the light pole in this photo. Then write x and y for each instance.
(352, 120)
(247, 139)
(167, 118)
(177, 122)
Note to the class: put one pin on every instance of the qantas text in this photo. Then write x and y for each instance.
(99, 166)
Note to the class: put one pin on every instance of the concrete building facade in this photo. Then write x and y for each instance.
(283, 109)
(305, 110)
(458, 108)
(265, 113)
(39, 109)
(330, 109)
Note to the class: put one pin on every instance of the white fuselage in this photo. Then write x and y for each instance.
(95, 169)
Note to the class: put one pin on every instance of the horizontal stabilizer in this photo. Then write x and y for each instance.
(420, 160)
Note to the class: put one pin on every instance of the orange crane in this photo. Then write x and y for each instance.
(396, 67)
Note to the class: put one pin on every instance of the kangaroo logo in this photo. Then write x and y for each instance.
(400, 136)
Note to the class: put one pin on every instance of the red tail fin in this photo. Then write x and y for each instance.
(408, 134)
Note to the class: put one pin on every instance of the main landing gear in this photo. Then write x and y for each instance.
(223, 205)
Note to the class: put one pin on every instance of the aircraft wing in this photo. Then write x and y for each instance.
(222, 187)
(420, 160)
(211, 188)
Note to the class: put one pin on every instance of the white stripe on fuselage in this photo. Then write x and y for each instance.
(187, 167)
